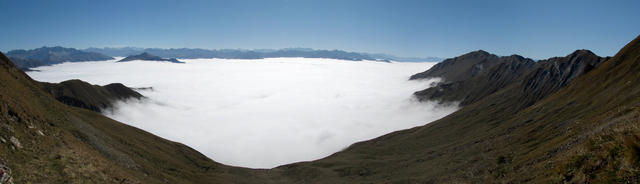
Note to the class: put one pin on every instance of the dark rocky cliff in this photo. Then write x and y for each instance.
(470, 84)
(460, 68)
(473, 76)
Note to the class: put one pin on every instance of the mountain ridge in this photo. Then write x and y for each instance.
(472, 76)
(483, 73)
(497, 140)
(194, 53)
(44, 56)
(92, 97)
(148, 57)
(583, 127)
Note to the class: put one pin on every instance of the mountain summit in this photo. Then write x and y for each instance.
(148, 57)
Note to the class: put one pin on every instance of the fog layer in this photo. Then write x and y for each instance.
(263, 113)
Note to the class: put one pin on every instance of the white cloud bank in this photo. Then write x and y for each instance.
(263, 113)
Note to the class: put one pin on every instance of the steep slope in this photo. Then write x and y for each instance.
(25, 59)
(587, 131)
(603, 143)
(507, 70)
(487, 76)
(45, 141)
(84, 95)
(460, 68)
(554, 73)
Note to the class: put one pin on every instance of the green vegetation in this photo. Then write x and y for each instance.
(586, 131)
(63, 144)
(502, 139)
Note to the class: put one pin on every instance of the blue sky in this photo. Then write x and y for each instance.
(536, 29)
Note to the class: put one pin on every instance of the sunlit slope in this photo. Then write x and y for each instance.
(45, 141)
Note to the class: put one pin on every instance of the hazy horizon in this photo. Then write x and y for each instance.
(257, 50)
(411, 28)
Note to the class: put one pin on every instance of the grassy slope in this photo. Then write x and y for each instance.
(586, 131)
(82, 146)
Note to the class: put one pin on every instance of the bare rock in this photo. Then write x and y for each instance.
(15, 142)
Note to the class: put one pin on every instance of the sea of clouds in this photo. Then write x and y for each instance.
(263, 113)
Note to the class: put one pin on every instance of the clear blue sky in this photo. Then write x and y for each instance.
(537, 29)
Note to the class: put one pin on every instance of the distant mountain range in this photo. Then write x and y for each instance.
(26, 59)
(188, 53)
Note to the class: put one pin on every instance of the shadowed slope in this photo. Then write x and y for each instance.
(84, 95)
(460, 68)
(474, 85)
(494, 73)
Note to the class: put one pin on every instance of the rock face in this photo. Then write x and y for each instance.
(43, 56)
(552, 74)
(148, 57)
(472, 76)
(84, 95)
(460, 68)
(484, 74)
(15, 142)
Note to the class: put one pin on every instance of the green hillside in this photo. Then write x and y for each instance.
(568, 121)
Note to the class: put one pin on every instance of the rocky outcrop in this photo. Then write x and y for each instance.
(148, 57)
(552, 74)
(84, 95)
